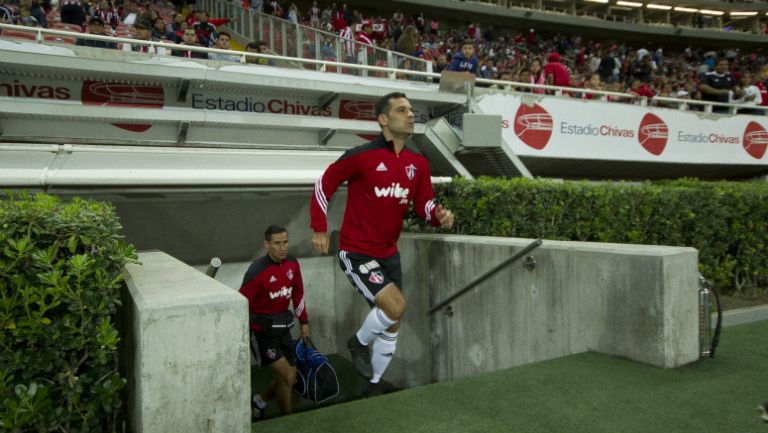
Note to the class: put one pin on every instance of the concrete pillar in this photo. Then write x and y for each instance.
(186, 350)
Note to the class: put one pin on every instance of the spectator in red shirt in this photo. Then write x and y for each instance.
(107, 13)
(556, 73)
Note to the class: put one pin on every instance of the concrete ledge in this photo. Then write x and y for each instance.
(635, 301)
(186, 350)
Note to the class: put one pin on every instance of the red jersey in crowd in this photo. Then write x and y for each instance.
(560, 74)
(270, 287)
(381, 186)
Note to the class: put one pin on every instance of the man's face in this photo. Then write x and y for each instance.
(203, 17)
(143, 34)
(249, 59)
(722, 67)
(222, 42)
(190, 38)
(277, 246)
(399, 119)
(160, 25)
(468, 50)
(96, 29)
(441, 59)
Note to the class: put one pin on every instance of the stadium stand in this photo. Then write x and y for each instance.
(600, 72)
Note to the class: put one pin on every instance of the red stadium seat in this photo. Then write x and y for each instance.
(14, 34)
(68, 27)
(329, 68)
(382, 64)
(61, 39)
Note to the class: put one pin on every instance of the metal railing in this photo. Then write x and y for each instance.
(286, 38)
(396, 73)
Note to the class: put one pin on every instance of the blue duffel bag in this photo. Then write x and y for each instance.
(316, 379)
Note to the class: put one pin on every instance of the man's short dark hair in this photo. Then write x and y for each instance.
(273, 230)
(224, 34)
(96, 21)
(382, 105)
(256, 45)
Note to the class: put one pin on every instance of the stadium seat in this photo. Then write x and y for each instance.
(13, 34)
(68, 27)
(382, 64)
(61, 39)
(330, 68)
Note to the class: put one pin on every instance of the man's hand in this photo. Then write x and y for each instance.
(304, 330)
(320, 242)
(444, 216)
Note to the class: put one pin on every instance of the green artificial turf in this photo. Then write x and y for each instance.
(582, 393)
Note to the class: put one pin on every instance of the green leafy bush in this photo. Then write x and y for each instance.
(726, 221)
(60, 274)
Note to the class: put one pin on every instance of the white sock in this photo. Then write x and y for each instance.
(375, 322)
(259, 402)
(383, 351)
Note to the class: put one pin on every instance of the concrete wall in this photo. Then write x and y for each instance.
(186, 350)
(194, 226)
(320, 293)
(635, 301)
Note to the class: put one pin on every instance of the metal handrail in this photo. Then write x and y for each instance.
(389, 72)
(518, 255)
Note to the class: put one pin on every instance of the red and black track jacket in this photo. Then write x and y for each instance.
(270, 286)
(381, 186)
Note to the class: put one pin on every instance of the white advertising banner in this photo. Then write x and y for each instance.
(562, 128)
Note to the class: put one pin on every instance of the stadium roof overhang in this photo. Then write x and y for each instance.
(582, 23)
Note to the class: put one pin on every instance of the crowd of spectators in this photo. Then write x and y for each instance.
(524, 56)
(528, 56)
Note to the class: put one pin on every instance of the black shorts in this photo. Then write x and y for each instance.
(268, 348)
(369, 274)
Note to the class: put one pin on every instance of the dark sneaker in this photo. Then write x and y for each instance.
(373, 389)
(763, 408)
(256, 414)
(361, 357)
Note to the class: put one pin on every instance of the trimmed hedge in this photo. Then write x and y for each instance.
(726, 221)
(60, 274)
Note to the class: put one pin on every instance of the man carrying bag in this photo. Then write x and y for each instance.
(271, 284)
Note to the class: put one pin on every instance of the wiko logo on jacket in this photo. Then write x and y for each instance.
(284, 292)
(394, 190)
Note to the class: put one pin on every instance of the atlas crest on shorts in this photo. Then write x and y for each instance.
(376, 277)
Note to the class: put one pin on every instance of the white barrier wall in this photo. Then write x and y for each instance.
(549, 127)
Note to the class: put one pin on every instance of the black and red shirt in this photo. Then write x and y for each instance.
(270, 287)
(381, 185)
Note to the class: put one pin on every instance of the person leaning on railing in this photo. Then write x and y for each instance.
(259, 47)
(96, 27)
(189, 39)
(716, 86)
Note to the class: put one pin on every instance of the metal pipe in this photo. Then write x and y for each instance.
(213, 267)
(528, 248)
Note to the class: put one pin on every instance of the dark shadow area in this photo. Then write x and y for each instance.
(350, 387)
